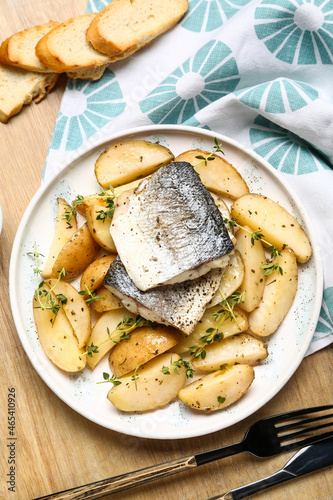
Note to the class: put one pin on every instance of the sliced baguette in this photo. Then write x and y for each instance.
(19, 87)
(65, 48)
(88, 74)
(129, 25)
(19, 49)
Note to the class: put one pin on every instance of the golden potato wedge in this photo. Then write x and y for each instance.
(100, 229)
(126, 161)
(62, 233)
(278, 226)
(228, 327)
(218, 389)
(76, 254)
(279, 294)
(237, 349)
(232, 279)
(75, 308)
(93, 276)
(254, 279)
(144, 344)
(218, 175)
(57, 338)
(109, 320)
(107, 301)
(152, 388)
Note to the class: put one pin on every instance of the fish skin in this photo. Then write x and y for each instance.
(169, 225)
(181, 305)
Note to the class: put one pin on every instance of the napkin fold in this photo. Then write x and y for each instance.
(259, 71)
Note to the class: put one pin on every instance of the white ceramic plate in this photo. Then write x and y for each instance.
(81, 391)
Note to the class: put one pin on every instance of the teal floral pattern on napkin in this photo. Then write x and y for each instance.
(279, 96)
(298, 31)
(204, 78)
(208, 15)
(92, 105)
(325, 323)
(284, 150)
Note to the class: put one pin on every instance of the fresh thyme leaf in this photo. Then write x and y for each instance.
(91, 295)
(257, 235)
(107, 378)
(109, 198)
(62, 298)
(221, 399)
(175, 365)
(71, 210)
(91, 349)
(45, 298)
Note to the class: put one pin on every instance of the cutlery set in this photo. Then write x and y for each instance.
(267, 437)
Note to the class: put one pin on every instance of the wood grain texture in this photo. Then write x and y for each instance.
(56, 448)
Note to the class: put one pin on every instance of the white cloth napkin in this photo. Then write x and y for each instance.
(259, 71)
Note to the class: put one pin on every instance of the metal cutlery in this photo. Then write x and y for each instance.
(308, 459)
(267, 437)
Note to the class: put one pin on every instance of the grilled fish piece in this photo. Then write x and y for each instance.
(181, 305)
(169, 229)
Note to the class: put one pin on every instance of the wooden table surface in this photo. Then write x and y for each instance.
(56, 448)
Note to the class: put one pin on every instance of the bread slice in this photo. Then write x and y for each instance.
(65, 48)
(88, 74)
(129, 25)
(19, 49)
(19, 87)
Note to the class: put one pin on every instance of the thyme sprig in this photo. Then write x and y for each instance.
(175, 365)
(109, 198)
(91, 295)
(211, 157)
(71, 211)
(125, 326)
(213, 334)
(256, 236)
(46, 299)
(115, 381)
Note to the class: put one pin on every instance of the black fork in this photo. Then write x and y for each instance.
(267, 437)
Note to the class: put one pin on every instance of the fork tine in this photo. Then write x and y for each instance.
(307, 441)
(304, 431)
(297, 413)
(286, 427)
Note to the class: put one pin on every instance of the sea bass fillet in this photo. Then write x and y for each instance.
(169, 229)
(181, 305)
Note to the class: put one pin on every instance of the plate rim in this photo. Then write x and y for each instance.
(149, 129)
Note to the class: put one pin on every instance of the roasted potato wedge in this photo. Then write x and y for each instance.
(237, 349)
(218, 175)
(93, 276)
(218, 389)
(76, 254)
(126, 161)
(278, 296)
(109, 320)
(62, 233)
(228, 327)
(57, 337)
(254, 279)
(277, 225)
(232, 279)
(106, 302)
(100, 229)
(75, 308)
(144, 344)
(152, 388)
